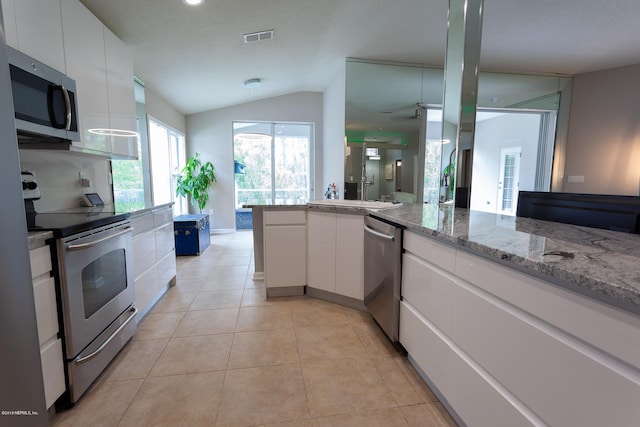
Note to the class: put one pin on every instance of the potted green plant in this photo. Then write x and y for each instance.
(194, 181)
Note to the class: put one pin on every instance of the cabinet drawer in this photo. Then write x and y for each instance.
(40, 261)
(142, 224)
(144, 253)
(146, 288)
(428, 290)
(44, 293)
(161, 217)
(580, 316)
(422, 343)
(165, 240)
(285, 217)
(562, 380)
(436, 253)
(166, 269)
(52, 371)
(473, 397)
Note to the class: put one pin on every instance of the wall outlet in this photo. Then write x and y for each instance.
(575, 179)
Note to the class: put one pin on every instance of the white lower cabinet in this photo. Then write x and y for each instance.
(285, 241)
(44, 293)
(336, 253)
(350, 256)
(484, 336)
(154, 258)
(321, 271)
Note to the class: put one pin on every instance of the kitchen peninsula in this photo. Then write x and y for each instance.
(599, 263)
(525, 321)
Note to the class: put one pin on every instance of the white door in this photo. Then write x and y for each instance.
(509, 180)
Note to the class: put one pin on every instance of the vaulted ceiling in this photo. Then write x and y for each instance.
(196, 57)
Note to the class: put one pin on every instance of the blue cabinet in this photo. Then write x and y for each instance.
(191, 233)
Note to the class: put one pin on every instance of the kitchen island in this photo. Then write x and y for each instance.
(601, 264)
(514, 321)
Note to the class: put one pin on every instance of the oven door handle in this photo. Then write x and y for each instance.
(90, 356)
(91, 244)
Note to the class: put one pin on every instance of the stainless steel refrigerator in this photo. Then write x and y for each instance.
(21, 387)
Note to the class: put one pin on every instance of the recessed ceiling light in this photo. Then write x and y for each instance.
(252, 83)
(193, 2)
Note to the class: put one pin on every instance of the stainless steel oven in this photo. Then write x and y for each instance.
(96, 287)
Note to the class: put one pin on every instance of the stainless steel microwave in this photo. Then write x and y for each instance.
(44, 101)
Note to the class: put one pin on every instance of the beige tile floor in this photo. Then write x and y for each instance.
(214, 352)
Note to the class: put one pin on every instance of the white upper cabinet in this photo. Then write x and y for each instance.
(120, 86)
(35, 28)
(84, 46)
(102, 67)
(9, 17)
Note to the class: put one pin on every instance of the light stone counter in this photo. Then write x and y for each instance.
(38, 239)
(598, 263)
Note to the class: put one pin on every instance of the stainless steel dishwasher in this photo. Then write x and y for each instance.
(382, 273)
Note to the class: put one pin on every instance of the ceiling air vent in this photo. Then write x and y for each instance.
(259, 36)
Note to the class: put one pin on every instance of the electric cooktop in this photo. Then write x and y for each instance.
(68, 222)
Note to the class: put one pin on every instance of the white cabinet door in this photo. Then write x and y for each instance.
(144, 252)
(350, 256)
(10, 30)
(122, 104)
(429, 290)
(44, 295)
(47, 321)
(52, 371)
(285, 243)
(284, 255)
(321, 270)
(85, 58)
(39, 31)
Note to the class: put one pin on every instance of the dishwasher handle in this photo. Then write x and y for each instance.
(379, 234)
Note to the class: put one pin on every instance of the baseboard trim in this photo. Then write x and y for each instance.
(287, 291)
(335, 298)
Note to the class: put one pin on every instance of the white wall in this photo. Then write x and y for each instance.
(604, 132)
(211, 134)
(164, 111)
(333, 160)
(492, 135)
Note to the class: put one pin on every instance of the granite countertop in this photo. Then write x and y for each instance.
(330, 205)
(602, 264)
(148, 209)
(292, 204)
(38, 239)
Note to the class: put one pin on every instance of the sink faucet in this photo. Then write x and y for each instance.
(365, 182)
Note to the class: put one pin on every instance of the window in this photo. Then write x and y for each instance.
(168, 157)
(274, 162)
(128, 183)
